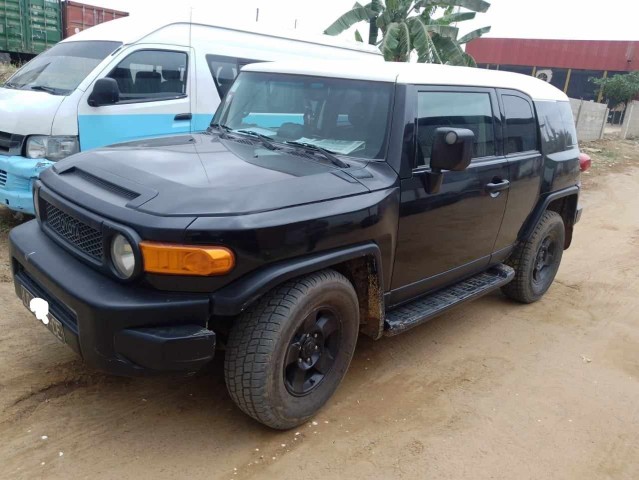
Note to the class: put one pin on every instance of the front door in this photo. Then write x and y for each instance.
(155, 98)
(451, 234)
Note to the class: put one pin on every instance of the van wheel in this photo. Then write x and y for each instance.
(537, 260)
(287, 354)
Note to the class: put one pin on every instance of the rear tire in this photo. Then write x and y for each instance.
(537, 260)
(288, 353)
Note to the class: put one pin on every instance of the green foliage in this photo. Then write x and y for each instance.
(621, 88)
(426, 27)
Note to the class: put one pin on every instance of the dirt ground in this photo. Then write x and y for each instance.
(490, 390)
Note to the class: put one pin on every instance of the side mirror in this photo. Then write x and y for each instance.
(452, 149)
(105, 92)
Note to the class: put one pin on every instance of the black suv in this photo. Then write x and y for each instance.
(324, 201)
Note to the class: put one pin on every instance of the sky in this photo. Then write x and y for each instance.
(562, 19)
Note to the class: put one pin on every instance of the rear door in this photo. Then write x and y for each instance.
(156, 87)
(451, 234)
(525, 163)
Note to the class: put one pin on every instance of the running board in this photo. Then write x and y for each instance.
(423, 309)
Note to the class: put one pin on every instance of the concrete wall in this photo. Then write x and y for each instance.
(590, 119)
(630, 127)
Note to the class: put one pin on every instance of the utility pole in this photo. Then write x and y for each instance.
(257, 14)
(295, 27)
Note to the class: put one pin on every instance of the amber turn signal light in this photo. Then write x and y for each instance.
(171, 259)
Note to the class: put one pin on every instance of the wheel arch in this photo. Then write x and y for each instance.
(361, 264)
(564, 202)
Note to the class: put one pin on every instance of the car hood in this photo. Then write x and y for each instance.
(25, 112)
(203, 175)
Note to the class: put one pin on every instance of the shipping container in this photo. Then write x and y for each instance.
(79, 16)
(28, 27)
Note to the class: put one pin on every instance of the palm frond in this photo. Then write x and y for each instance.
(358, 13)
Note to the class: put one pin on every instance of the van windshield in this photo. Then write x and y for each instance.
(60, 70)
(344, 117)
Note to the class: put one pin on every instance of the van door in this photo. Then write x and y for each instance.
(449, 235)
(156, 86)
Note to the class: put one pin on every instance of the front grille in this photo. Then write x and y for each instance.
(3, 178)
(80, 235)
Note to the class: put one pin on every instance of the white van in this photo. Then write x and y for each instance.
(128, 79)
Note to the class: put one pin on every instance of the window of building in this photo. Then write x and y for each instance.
(521, 127)
(470, 110)
(151, 75)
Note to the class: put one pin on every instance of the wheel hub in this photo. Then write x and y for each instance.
(310, 347)
(311, 352)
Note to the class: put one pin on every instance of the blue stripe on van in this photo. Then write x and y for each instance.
(100, 130)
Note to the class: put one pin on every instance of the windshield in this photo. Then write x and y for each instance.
(346, 117)
(61, 69)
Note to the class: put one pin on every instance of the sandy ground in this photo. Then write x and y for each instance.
(490, 390)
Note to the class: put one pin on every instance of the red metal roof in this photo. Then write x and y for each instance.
(578, 54)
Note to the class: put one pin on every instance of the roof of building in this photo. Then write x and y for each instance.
(417, 73)
(611, 55)
(134, 28)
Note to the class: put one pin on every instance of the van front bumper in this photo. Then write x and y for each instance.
(17, 175)
(122, 329)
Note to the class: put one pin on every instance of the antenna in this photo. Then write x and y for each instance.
(192, 93)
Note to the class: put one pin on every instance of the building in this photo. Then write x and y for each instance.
(567, 64)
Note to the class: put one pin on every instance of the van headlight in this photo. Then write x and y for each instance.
(52, 148)
(123, 256)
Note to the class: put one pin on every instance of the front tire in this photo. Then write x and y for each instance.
(288, 353)
(537, 260)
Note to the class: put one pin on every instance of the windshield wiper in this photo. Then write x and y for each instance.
(264, 139)
(42, 88)
(11, 85)
(223, 129)
(327, 154)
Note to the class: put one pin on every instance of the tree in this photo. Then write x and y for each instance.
(425, 27)
(620, 88)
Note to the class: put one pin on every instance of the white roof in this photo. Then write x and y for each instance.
(417, 73)
(133, 29)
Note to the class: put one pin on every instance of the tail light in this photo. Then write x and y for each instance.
(585, 162)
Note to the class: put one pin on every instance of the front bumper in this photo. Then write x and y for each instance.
(121, 329)
(17, 175)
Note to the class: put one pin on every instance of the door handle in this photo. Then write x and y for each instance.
(497, 185)
(183, 116)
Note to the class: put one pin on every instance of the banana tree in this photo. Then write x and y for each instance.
(423, 26)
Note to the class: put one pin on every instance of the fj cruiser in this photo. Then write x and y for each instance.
(325, 200)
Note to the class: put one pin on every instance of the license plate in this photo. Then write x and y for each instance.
(54, 325)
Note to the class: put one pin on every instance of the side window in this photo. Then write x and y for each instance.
(521, 127)
(151, 75)
(557, 126)
(224, 70)
(471, 110)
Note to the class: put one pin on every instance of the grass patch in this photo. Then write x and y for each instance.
(6, 70)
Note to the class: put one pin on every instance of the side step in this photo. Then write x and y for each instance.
(423, 309)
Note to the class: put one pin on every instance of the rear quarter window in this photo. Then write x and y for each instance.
(557, 126)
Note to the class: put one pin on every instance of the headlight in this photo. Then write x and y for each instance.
(122, 256)
(52, 148)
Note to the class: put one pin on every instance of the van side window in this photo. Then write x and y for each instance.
(151, 75)
(521, 127)
(224, 70)
(471, 110)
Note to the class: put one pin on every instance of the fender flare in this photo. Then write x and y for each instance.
(541, 207)
(233, 299)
